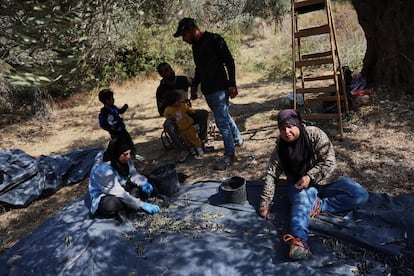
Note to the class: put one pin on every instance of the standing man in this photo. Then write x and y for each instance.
(215, 70)
(170, 83)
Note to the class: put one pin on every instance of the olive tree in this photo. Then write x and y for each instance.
(389, 31)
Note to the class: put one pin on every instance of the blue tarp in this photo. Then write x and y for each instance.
(207, 236)
(24, 178)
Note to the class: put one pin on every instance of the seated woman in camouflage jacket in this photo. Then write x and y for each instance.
(307, 157)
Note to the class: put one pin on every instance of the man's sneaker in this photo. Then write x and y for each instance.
(139, 157)
(182, 156)
(208, 148)
(299, 249)
(200, 151)
(317, 208)
(238, 143)
(226, 161)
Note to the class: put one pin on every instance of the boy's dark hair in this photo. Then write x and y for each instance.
(105, 94)
(161, 65)
(171, 98)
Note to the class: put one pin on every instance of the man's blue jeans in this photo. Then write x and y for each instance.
(339, 196)
(219, 104)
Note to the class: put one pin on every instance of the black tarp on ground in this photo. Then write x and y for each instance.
(224, 239)
(24, 178)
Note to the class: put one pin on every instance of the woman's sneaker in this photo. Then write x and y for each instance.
(299, 249)
(121, 216)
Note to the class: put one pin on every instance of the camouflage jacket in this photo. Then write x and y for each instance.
(323, 165)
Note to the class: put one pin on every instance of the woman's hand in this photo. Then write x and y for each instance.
(147, 188)
(150, 208)
(264, 212)
(303, 183)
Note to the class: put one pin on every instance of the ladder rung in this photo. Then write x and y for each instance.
(321, 116)
(317, 55)
(318, 78)
(316, 90)
(320, 61)
(308, 6)
(323, 99)
(324, 29)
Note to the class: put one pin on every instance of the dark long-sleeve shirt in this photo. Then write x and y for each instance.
(212, 58)
(181, 84)
(110, 119)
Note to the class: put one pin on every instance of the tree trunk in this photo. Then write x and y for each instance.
(42, 104)
(389, 31)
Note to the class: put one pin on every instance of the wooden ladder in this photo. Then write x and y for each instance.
(308, 64)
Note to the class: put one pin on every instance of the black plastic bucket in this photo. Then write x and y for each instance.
(233, 190)
(165, 179)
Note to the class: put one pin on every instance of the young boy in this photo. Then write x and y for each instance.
(111, 121)
(178, 111)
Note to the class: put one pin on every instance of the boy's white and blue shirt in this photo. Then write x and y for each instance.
(104, 180)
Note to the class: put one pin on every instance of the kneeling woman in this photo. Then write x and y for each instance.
(110, 177)
(307, 157)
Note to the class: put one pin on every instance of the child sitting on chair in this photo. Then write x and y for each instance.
(178, 111)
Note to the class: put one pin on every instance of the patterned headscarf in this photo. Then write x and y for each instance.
(289, 116)
(295, 156)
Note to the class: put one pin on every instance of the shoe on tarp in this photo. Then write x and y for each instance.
(299, 249)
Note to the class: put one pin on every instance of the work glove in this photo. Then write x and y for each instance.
(147, 188)
(150, 208)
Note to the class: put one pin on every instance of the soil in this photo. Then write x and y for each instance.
(376, 150)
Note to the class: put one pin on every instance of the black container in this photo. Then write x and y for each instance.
(233, 190)
(165, 179)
